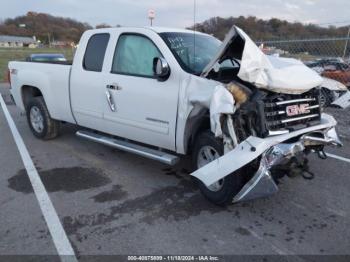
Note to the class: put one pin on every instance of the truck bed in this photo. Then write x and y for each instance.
(53, 81)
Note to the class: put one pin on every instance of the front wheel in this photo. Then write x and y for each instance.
(208, 148)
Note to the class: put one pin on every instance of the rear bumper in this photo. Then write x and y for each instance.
(273, 151)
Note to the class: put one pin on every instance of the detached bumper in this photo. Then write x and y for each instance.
(273, 152)
(262, 184)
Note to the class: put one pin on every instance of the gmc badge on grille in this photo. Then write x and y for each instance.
(294, 110)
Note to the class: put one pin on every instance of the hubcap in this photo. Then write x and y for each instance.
(36, 119)
(206, 155)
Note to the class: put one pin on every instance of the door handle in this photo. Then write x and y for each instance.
(114, 87)
(110, 101)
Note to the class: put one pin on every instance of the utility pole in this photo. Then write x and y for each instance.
(48, 38)
(346, 43)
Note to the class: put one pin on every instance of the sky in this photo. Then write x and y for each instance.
(180, 13)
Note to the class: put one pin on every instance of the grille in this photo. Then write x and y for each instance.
(286, 113)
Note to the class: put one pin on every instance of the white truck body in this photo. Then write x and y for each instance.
(163, 114)
(147, 110)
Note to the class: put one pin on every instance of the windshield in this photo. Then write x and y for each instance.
(192, 53)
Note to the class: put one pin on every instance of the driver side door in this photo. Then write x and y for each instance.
(144, 109)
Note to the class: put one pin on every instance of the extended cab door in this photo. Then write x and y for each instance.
(87, 80)
(140, 107)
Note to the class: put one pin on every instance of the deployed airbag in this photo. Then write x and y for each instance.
(280, 75)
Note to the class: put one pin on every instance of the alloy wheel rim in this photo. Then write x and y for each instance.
(36, 119)
(206, 155)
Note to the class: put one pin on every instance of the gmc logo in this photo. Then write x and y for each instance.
(297, 110)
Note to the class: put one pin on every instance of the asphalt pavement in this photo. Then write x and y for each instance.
(115, 203)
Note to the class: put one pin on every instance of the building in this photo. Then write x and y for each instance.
(61, 44)
(17, 41)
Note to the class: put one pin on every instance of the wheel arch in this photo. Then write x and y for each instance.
(195, 124)
(28, 92)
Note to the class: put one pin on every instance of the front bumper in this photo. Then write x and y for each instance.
(270, 147)
(262, 184)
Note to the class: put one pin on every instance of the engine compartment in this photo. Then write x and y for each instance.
(262, 113)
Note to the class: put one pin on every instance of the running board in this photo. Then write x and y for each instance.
(130, 147)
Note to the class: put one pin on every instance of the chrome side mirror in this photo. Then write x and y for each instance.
(161, 69)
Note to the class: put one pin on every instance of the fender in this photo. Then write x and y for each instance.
(38, 80)
(194, 124)
(53, 87)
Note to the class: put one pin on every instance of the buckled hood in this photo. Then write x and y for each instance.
(281, 75)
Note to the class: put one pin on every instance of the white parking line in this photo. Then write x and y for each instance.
(60, 239)
(338, 157)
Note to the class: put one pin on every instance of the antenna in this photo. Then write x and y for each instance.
(194, 31)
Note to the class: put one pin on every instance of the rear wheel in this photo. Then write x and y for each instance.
(39, 120)
(208, 148)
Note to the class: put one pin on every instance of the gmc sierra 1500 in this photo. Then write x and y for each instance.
(246, 118)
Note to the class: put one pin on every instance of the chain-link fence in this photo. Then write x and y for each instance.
(329, 57)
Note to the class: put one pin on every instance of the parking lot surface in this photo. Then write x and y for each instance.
(111, 202)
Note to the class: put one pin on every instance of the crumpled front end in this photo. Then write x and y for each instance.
(274, 116)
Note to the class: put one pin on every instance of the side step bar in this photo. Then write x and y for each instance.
(130, 147)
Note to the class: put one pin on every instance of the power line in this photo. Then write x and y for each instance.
(333, 23)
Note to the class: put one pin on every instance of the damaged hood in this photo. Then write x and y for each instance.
(281, 75)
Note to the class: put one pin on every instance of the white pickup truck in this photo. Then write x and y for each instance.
(246, 118)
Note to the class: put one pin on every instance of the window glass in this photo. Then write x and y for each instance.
(134, 56)
(95, 52)
(229, 63)
(193, 52)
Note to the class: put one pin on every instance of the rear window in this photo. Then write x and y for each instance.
(95, 52)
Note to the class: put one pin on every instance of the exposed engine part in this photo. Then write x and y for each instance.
(293, 168)
(321, 154)
(327, 137)
(228, 144)
(298, 166)
(240, 93)
(232, 131)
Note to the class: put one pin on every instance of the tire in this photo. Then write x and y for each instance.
(223, 192)
(39, 120)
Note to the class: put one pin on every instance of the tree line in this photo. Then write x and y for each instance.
(272, 29)
(48, 28)
(44, 27)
